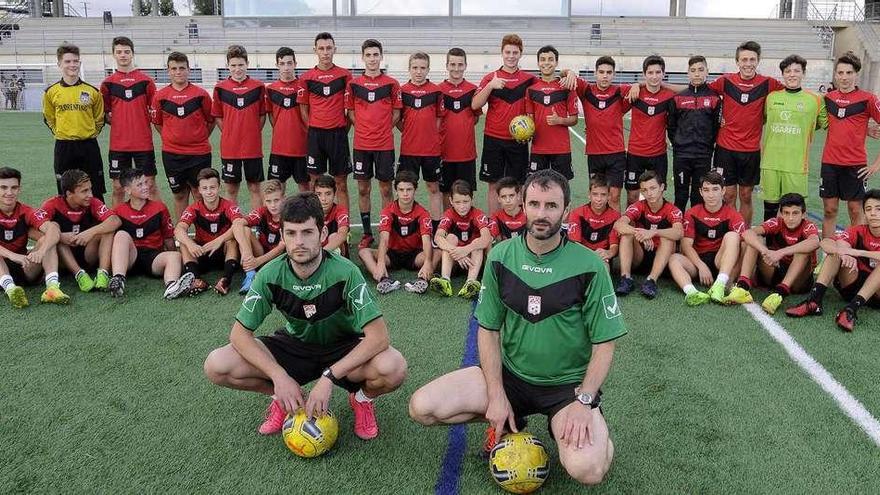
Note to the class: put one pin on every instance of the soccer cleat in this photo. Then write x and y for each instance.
(387, 285)
(102, 280)
(54, 295)
(246, 283)
(738, 295)
(846, 319)
(488, 442)
(179, 287)
(650, 289)
(805, 308)
(716, 293)
(417, 286)
(470, 289)
(696, 298)
(117, 286)
(818, 267)
(85, 282)
(222, 286)
(365, 426)
(274, 419)
(197, 287)
(17, 297)
(625, 286)
(442, 286)
(771, 303)
(366, 241)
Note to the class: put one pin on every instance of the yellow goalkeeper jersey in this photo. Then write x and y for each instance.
(73, 111)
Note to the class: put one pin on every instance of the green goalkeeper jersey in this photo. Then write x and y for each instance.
(792, 116)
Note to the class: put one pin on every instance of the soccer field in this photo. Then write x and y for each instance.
(109, 396)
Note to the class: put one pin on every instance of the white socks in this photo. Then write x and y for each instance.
(689, 289)
(51, 278)
(722, 278)
(6, 283)
(361, 397)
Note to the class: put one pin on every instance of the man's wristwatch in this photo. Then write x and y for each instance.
(328, 373)
(582, 397)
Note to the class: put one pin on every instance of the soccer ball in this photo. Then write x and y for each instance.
(307, 438)
(522, 128)
(519, 463)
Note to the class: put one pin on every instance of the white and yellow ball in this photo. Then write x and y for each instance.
(522, 128)
(309, 438)
(519, 463)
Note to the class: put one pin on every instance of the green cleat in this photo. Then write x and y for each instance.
(716, 293)
(771, 303)
(102, 280)
(696, 298)
(442, 286)
(53, 294)
(85, 282)
(738, 295)
(17, 297)
(818, 267)
(470, 289)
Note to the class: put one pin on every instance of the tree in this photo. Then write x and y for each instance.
(166, 7)
(206, 7)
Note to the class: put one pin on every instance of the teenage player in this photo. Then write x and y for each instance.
(288, 156)
(182, 116)
(335, 333)
(258, 250)
(128, 94)
(457, 126)
(240, 112)
(18, 265)
(374, 105)
(509, 220)
(336, 218)
(543, 350)
(710, 245)
(74, 112)
(593, 223)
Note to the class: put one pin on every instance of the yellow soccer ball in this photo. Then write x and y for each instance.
(522, 128)
(307, 438)
(519, 463)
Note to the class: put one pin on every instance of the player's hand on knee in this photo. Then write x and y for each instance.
(319, 398)
(211, 247)
(577, 420)
(848, 262)
(705, 274)
(647, 245)
(36, 256)
(248, 263)
(197, 251)
(500, 415)
(288, 393)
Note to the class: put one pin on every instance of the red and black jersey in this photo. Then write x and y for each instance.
(742, 114)
(184, 116)
(14, 227)
(641, 216)
(459, 119)
(778, 236)
(603, 116)
(467, 227)
(707, 228)
(405, 230)
(210, 224)
(325, 96)
(241, 106)
(860, 237)
(647, 136)
(149, 226)
(75, 220)
(505, 103)
(422, 106)
(335, 219)
(503, 226)
(542, 99)
(373, 100)
(127, 99)
(288, 130)
(268, 230)
(848, 115)
(593, 230)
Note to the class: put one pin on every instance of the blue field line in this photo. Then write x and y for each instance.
(819, 219)
(456, 445)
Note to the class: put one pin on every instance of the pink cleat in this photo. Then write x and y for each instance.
(274, 419)
(365, 426)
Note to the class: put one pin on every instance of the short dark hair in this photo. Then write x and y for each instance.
(406, 176)
(598, 180)
(10, 173)
(177, 57)
(792, 199)
(649, 175)
(72, 179)
(793, 59)
(456, 52)
(712, 177)
(751, 46)
(543, 179)
(302, 206)
(653, 60)
(506, 182)
(207, 173)
(236, 51)
(851, 59)
(326, 182)
(462, 187)
(870, 194)
(66, 48)
(122, 40)
(324, 36)
(548, 49)
(419, 56)
(285, 51)
(129, 175)
(697, 59)
(371, 43)
(605, 60)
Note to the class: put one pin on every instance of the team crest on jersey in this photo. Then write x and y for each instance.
(326, 90)
(229, 167)
(75, 229)
(800, 107)
(533, 166)
(711, 234)
(274, 169)
(651, 110)
(239, 102)
(309, 310)
(180, 111)
(139, 233)
(841, 113)
(85, 98)
(371, 96)
(514, 234)
(213, 228)
(594, 236)
(286, 102)
(404, 230)
(546, 99)
(707, 103)
(534, 307)
(129, 93)
(464, 236)
(270, 238)
(359, 165)
(456, 105)
(311, 160)
(8, 235)
(172, 180)
(632, 176)
(602, 104)
(744, 98)
(417, 103)
(872, 263)
(720, 171)
(114, 163)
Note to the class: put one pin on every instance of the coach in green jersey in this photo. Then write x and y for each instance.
(548, 319)
(334, 334)
(792, 116)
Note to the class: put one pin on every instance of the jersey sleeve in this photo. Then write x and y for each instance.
(167, 226)
(48, 111)
(737, 223)
(690, 229)
(490, 311)
(396, 96)
(874, 105)
(601, 310)
(156, 111)
(572, 103)
(49, 206)
(100, 210)
(530, 105)
(810, 230)
(581, 87)
(36, 218)
(445, 222)
(717, 85)
(440, 105)
(253, 218)
(359, 300)
(342, 217)
(774, 84)
(207, 105)
(821, 114)
(385, 220)
(425, 227)
(105, 95)
(614, 238)
(98, 111)
(633, 212)
(674, 215)
(574, 227)
(233, 212)
(849, 236)
(770, 226)
(256, 305)
(494, 230)
(216, 105)
(348, 99)
(189, 215)
(485, 81)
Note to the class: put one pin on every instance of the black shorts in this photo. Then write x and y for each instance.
(284, 167)
(84, 155)
(709, 259)
(503, 158)
(328, 146)
(369, 164)
(79, 255)
(18, 276)
(647, 263)
(779, 273)
(741, 168)
(182, 170)
(842, 182)
(402, 260)
(612, 166)
(143, 262)
(124, 160)
(232, 167)
(211, 262)
(453, 171)
(559, 162)
(849, 292)
(637, 165)
(527, 399)
(304, 362)
(429, 165)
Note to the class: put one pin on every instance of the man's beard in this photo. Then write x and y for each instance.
(550, 232)
(312, 261)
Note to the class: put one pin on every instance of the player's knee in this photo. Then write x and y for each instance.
(452, 239)
(121, 236)
(587, 472)
(213, 369)
(830, 210)
(392, 368)
(421, 408)
(341, 183)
